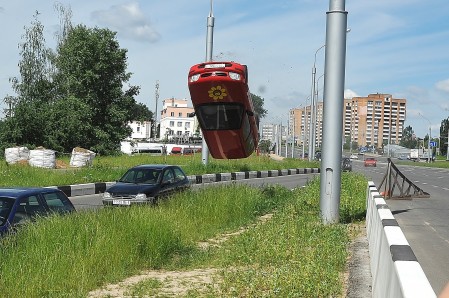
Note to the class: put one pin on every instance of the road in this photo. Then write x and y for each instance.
(424, 221)
(291, 181)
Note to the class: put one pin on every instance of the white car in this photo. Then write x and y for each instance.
(353, 156)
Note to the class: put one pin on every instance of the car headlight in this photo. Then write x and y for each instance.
(106, 195)
(194, 78)
(141, 196)
(234, 76)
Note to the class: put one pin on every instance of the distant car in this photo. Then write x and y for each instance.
(21, 204)
(346, 164)
(370, 162)
(176, 150)
(353, 156)
(145, 184)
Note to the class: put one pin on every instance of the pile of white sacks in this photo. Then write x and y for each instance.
(45, 158)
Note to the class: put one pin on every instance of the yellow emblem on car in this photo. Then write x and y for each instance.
(217, 93)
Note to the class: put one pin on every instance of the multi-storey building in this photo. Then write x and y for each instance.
(373, 120)
(175, 121)
(299, 124)
(272, 132)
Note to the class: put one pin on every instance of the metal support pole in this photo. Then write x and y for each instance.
(312, 115)
(334, 81)
(209, 47)
(447, 148)
(429, 158)
(293, 133)
(314, 109)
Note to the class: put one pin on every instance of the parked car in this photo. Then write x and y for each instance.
(21, 204)
(176, 150)
(346, 164)
(353, 156)
(370, 162)
(145, 184)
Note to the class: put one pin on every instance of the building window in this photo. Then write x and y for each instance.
(172, 123)
(180, 114)
(187, 125)
(138, 128)
(179, 124)
(172, 114)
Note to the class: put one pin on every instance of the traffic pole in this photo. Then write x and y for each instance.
(334, 81)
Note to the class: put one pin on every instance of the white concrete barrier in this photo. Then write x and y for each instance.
(394, 267)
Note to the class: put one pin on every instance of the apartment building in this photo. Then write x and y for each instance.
(175, 121)
(373, 120)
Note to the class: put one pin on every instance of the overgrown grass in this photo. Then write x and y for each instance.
(110, 168)
(292, 255)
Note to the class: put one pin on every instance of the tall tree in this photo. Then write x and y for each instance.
(92, 68)
(140, 112)
(258, 107)
(408, 139)
(34, 90)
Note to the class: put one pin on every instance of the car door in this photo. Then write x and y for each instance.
(28, 208)
(168, 182)
(181, 180)
(57, 202)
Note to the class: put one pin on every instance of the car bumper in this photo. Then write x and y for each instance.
(127, 202)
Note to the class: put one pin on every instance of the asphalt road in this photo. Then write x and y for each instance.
(291, 181)
(424, 221)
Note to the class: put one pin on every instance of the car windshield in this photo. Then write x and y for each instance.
(220, 116)
(146, 176)
(5, 208)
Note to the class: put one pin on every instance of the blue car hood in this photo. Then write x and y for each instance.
(131, 188)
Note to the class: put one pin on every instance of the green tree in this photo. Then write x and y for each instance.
(408, 139)
(92, 68)
(265, 146)
(27, 116)
(258, 103)
(140, 112)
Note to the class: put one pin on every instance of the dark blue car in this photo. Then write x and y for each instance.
(146, 184)
(21, 204)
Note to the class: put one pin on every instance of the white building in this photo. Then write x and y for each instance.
(175, 121)
(141, 130)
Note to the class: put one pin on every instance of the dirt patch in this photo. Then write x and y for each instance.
(174, 283)
(357, 278)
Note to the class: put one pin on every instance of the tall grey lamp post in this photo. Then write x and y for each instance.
(316, 115)
(312, 132)
(430, 137)
(209, 47)
(334, 82)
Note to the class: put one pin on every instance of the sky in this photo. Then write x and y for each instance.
(398, 47)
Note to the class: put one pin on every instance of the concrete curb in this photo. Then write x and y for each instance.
(100, 187)
(394, 267)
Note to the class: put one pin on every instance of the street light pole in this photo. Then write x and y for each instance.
(209, 47)
(313, 109)
(334, 81)
(316, 117)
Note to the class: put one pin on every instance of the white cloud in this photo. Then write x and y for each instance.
(443, 85)
(350, 94)
(129, 21)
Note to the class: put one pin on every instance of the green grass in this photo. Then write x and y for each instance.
(292, 255)
(110, 168)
